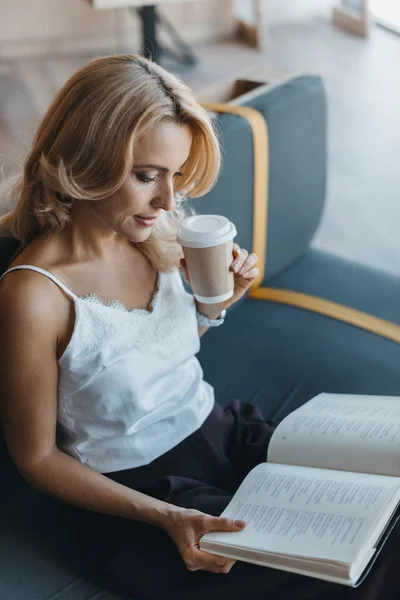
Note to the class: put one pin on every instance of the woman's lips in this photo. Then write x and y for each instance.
(146, 222)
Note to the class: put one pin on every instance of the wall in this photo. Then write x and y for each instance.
(40, 27)
(286, 11)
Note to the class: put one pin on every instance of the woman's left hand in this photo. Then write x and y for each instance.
(245, 270)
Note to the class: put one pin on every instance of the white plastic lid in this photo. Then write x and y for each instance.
(203, 231)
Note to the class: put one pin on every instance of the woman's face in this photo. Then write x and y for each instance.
(149, 188)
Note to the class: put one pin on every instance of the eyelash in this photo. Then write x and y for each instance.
(145, 179)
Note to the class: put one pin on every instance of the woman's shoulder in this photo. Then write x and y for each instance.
(28, 314)
(42, 252)
(26, 292)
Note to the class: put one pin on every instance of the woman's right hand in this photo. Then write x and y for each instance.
(187, 526)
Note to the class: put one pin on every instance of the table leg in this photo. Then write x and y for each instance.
(180, 52)
(151, 48)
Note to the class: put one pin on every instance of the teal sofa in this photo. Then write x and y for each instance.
(272, 354)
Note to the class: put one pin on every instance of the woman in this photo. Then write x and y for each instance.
(100, 337)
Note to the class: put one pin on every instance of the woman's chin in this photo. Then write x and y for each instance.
(134, 232)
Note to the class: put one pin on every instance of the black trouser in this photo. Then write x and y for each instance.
(203, 472)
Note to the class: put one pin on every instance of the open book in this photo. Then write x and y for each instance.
(327, 497)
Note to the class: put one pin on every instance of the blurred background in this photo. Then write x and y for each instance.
(354, 45)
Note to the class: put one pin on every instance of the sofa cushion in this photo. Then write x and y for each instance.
(361, 287)
(37, 554)
(278, 357)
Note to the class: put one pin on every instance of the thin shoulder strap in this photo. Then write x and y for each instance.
(46, 274)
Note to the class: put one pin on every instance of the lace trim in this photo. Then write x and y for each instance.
(117, 304)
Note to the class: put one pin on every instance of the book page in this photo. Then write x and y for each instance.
(340, 431)
(307, 512)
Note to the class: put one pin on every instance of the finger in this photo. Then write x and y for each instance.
(238, 262)
(224, 524)
(236, 250)
(250, 262)
(221, 570)
(205, 561)
(228, 566)
(252, 274)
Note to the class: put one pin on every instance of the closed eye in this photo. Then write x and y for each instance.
(144, 179)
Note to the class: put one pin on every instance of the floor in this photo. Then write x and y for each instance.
(362, 78)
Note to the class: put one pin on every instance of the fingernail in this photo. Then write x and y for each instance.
(241, 270)
(235, 266)
(240, 523)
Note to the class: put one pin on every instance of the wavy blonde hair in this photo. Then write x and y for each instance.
(84, 148)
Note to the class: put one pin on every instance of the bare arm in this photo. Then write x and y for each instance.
(30, 318)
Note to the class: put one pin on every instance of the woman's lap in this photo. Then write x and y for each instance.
(142, 561)
(203, 473)
(229, 444)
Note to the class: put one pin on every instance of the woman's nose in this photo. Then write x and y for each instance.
(167, 196)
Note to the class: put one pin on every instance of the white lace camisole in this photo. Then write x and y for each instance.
(130, 386)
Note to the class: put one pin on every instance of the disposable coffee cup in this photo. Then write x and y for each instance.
(207, 243)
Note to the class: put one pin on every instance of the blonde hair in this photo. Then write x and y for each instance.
(84, 146)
